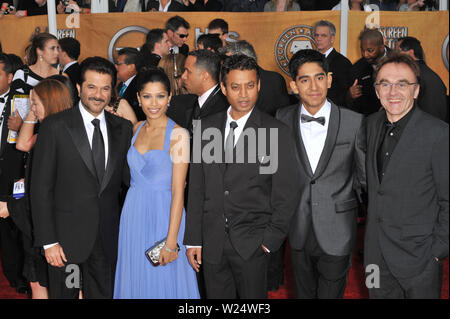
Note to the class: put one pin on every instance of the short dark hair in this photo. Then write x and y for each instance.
(68, 84)
(71, 46)
(132, 56)
(207, 61)
(99, 65)
(238, 62)
(16, 62)
(398, 58)
(411, 43)
(6, 61)
(152, 75)
(218, 24)
(174, 23)
(210, 41)
(373, 35)
(306, 56)
(154, 36)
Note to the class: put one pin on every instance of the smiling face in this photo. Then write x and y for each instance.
(312, 84)
(154, 99)
(95, 91)
(50, 52)
(241, 89)
(397, 101)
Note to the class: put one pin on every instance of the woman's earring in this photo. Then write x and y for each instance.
(40, 58)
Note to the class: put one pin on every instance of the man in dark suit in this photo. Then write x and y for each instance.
(338, 65)
(177, 30)
(162, 5)
(331, 154)
(361, 95)
(155, 47)
(240, 201)
(407, 178)
(273, 93)
(11, 170)
(433, 93)
(68, 56)
(128, 63)
(201, 77)
(81, 156)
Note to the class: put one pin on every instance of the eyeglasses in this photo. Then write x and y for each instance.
(401, 86)
(182, 36)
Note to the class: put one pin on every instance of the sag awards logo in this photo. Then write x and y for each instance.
(445, 52)
(296, 38)
(112, 44)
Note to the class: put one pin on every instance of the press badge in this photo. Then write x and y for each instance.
(19, 189)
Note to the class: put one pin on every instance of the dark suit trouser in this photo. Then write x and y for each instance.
(235, 277)
(12, 253)
(426, 285)
(316, 274)
(276, 267)
(97, 277)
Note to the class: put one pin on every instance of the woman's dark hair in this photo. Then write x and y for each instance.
(152, 75)
(38, 41)
(68, 84)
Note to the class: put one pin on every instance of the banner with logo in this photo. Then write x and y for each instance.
(275, 36)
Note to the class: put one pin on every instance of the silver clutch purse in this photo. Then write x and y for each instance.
(153, 252)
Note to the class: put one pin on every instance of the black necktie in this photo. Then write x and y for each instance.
(196, 112)
(306, 119)
(98, 150)
(229, 143)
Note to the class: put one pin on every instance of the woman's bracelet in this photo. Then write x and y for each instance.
(30, 122)
(171, 250)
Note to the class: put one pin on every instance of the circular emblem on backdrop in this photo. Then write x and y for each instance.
(445, 52)
(295, 38)
(119, 34)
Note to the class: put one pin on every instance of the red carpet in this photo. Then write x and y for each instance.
(355, 287)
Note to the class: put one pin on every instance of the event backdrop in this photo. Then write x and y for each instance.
(275, 36)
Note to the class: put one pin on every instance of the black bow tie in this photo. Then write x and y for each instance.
(307, 119)
(2, 100)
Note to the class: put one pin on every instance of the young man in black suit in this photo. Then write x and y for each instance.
(241, 200)
(68, 56)
(331, 157)
(11, 170)
(81, 156)
(338, 65)
(155, 47)
(407, 177)
(128, 63)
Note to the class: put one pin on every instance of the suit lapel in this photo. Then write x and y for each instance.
(301, 151)
(7, 112)
(330, 141)
(221, 126)
(114, 132)
(254, 122)
(79, 136)
(209, 103)
(374, 146)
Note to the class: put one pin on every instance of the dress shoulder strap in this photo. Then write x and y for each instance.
(137, 132)
(168, 133)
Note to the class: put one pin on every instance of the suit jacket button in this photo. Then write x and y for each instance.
(380, 193)
(227, 193)
(313, 182)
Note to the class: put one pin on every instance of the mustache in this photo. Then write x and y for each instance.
(96, 100)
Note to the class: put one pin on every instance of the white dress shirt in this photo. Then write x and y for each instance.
(68, 65)
(2, 106)
(238, 130)
(87, 121)
(166, 8)
(314, 134)
(202, 99)
(328, 52)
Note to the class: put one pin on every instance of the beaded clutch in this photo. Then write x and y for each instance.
(153, 252)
